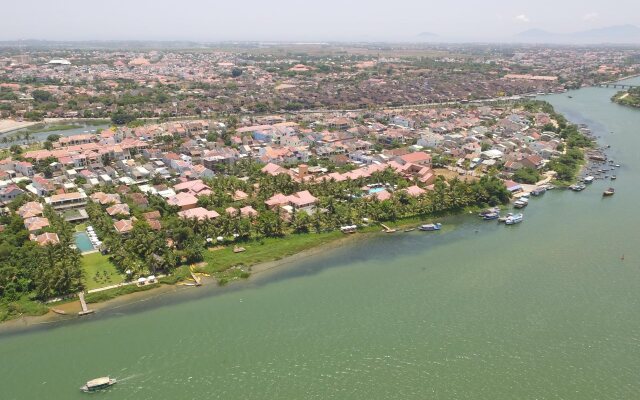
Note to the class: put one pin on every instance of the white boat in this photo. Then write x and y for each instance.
(588, 179)
(514, 219)
(97, 384)
(521, 203)
(431, 227)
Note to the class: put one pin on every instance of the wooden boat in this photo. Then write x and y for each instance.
(431, 227)
(410, 229)
(521, 203)
(492, 216)
(505, 218)
(613, 177)
(514, 219)
(97, 384)
(58, 311)
(609, 192)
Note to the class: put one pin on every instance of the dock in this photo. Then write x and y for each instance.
(195, 278)
(387, 229)
(83, 304)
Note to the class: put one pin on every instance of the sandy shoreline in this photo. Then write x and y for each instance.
(10, 125)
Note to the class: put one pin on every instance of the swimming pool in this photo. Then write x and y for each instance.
(82, 242)
(376, 190)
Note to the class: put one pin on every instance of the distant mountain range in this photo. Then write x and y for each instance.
(619, 34)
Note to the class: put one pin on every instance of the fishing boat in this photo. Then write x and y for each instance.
(489, 211)
(609, 192)
(431, 227)
(521, 203)
(410, 229)
(539, 191)
(578, 187)
(97, 384)
(588, 179)
(613, 177)
(505, 218)
(514, 219)
(491, 216)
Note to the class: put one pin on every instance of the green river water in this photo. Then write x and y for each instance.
(543, 310)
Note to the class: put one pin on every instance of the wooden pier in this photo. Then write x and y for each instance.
(83, 304)
(195, 278)
(387, 229)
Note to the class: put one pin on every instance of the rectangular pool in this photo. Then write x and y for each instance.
(82, 242)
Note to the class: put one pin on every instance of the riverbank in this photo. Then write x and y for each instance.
(628, 98)
(10, 125)
(222, 266)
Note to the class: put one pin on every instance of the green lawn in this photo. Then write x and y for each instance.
(99, 271)
(265, 250)
(81, 227)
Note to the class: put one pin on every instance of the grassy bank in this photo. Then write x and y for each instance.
(630, 98)
(23, 306)
(221, 263)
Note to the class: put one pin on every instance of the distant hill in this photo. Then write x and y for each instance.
(619, 34)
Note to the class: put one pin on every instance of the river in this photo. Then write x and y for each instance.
(81, 129)
(543, 310)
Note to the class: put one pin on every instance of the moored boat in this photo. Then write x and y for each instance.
(491, 216)
(588, 179)
(521, 203)
(609, 192)
(578, 187)
(431, 227)
(489, 211)
(514, 219)
(504, 219)
(613, 177)
(539, 191)
(97, 384)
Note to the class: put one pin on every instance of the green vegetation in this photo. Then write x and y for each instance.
(30, 273)
(569, 163)
(629, 98)
(527, 175)
(105, 295)
(99, 271)
(265, 250)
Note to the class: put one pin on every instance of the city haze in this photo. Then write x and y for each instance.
(331, 20)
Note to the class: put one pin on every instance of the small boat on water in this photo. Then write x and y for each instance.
(491, 216)
(431, 227)
(609, 192)
(539, 191)
(578, 187)
(504, 219)
(588, 179)
(410, 229)
(613, 177)
(521, 203)
(97, 384)
(514, 219)
(489, 211)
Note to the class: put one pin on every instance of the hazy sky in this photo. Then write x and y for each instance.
(212, 20)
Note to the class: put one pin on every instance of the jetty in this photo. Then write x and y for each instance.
(387, 229)
(83, 304)
(195, 278)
